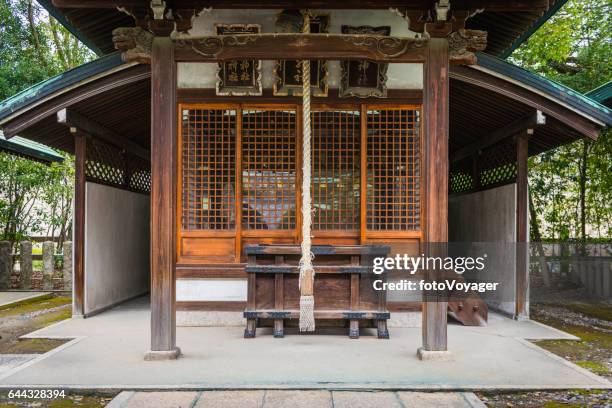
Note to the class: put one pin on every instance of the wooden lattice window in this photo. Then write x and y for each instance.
(268, 169)
(460, 181)
(208, 169)
(335, 169)
(111, 165)
(105, 163)
(498, 164)
(393, 171)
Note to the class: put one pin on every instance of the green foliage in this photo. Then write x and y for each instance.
(34, 195)
(572, 186)
(33, 46)
(34, 198)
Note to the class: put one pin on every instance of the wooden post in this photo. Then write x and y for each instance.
(522, 231)
(80, 145)
(163, 201)
(435, 168)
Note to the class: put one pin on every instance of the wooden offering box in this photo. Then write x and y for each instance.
(343, 288)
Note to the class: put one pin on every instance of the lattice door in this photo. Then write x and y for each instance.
(335, 169)
(393, 172)
(269, 169)
(208, 169)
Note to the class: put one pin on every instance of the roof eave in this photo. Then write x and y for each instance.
(539, 23)
(561, 94)
(57, 14)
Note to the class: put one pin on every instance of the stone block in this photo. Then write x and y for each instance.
(25, 265)
(6, 264)
(67, 265)
(48, 255)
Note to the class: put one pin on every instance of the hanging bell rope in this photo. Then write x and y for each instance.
(307, 321)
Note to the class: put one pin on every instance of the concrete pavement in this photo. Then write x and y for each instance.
(107, 352)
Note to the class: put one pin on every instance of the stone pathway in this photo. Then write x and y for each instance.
(295, 399)
(10, 361)
(8, 297)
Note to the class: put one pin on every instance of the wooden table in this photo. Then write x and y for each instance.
(343, 288)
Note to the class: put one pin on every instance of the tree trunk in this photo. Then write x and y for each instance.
(582, 184)
(535, 228)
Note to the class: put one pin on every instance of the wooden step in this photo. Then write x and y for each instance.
(281, 249)
(319, 314)
(349, 269)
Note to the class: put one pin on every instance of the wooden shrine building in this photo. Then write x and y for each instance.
(188, 132)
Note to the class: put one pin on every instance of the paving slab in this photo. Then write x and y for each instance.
(297, 399)
(172, 399)
(11, 361)
(108, 349)
(231, 399)
(439, 399)
(7, 298)
(350, 399)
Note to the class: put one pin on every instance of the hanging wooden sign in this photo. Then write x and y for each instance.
(288, 73)
(239, 77)
(363, 78)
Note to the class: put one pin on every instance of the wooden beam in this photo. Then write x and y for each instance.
(515, 92)
(135, 44)
(72, 118)
(163, 200)
(492, 5)
(80, 148)
(520, 125)
(522, 229)
(435, 166)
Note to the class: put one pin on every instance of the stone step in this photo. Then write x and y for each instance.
(294, 399)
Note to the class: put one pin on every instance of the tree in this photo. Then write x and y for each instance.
(21, 186)
(33, 46)
(34, 198)
(572, 185)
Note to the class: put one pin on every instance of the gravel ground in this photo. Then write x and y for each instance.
(591, 322)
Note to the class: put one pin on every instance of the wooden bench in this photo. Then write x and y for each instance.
(343, 288)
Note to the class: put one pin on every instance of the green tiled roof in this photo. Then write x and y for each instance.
(29, 149)
(63, 80)
(601, 94)
(551, 88)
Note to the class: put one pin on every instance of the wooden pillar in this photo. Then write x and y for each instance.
(435, 167)
(163, 201)
(80, 148)
(522, 226)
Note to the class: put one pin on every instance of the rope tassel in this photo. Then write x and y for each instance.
(307, 321)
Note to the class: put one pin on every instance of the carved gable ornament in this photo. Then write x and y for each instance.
(288, 73)
(239, 77)
(363, 78)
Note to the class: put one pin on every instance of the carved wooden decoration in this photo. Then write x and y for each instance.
(239, 77)
(275, 46)
(364, 78)
(288, 73)
(462, 42)
(135, 42)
